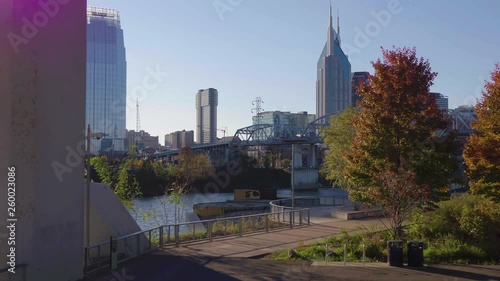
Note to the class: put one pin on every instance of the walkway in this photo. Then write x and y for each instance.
(231, 259)
(258, 244)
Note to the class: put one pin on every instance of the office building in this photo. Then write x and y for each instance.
(142, 139)
(206, 116)
(106, 80)
(358, 78)
(333, 86)
(441, 101)
(179, 139)
(300, 119)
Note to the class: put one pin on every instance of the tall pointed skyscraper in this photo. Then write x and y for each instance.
(333, 87)
(106, 81)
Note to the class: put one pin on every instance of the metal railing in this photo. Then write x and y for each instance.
(19, 275)
(108, 254)
(308, 201)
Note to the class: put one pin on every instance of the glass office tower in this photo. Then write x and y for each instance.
(206, 116)
(333, 86)
(106, 81)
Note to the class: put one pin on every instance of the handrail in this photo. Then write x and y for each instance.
(107, 255)
(189, 223)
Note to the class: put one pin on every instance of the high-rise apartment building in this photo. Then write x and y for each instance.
(333, 86)
(179, 139)
(206, 116)
(106, 80)
(358, 78)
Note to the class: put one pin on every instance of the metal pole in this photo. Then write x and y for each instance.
(87, 193)
(326, 254)
(364, 255)
(345, 254)
(293, 176)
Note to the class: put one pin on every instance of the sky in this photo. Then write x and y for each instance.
(269, 49)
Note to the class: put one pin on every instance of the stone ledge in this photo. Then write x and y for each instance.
(359, 214)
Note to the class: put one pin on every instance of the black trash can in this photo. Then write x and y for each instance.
(395, 252)
(415, 253)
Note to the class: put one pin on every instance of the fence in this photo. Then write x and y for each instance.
(282, 205)
(109, 254)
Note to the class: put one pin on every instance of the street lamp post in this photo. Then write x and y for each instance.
(87, 191)
(97, 136)
(293, 176)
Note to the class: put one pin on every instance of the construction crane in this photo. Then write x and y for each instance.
(223, 130)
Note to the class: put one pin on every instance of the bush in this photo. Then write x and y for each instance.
(465, 229)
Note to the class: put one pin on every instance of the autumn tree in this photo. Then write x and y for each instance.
(482, 150)
(395, 132)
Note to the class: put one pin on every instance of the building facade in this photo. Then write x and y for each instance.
(300, 119)
(441, 100)
(179, 139)
(142, 139)
(206, 116)
(106, 81)
(333, 86)
(358, 78)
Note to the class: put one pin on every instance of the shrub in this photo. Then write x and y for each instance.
(465, 229)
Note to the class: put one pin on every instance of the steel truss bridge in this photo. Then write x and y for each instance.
(269, 135)
(261, 135)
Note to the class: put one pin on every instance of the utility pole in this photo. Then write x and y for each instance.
(258, 110)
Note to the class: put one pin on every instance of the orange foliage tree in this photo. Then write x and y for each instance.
(482, 150)
(395, 157)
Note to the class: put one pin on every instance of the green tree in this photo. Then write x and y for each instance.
(104, 170)
(395, 131)
(119, 178)
(338, 137)
(126, 187)
(191, 167)
(482, 150)
(132, 151)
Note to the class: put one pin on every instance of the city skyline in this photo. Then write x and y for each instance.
(270, 50)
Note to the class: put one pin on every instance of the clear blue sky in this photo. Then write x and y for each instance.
(270, 49)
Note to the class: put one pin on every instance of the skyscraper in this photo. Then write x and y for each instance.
(206, 116)
(357, 79)
(106, 80)
(441, 100)
(333, 86)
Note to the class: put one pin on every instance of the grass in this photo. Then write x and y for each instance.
(373, 242)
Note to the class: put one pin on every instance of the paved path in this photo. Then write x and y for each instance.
(230, 259)
(258, 244)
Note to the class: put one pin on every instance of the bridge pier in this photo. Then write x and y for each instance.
(306, 178)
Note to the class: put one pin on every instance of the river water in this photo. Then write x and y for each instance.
(163, 212)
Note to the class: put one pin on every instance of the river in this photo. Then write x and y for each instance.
(163, 211)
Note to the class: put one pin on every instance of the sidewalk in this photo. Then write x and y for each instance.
(231, 259)
(258, 244)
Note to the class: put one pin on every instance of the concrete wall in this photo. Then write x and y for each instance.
(306, 178)
(108, 217)
(42, 116)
